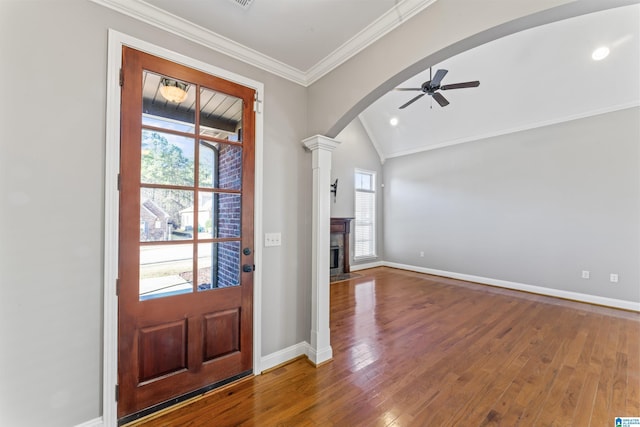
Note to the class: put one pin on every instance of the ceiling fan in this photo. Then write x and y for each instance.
(432, 86)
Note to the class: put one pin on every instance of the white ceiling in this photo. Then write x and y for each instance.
(300, 40)
(539, 76)
(299, 33)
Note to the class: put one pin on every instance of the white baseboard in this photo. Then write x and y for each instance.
(301, 349)
(266, 362)
(281, 356)
(575, 296)
(304, 349)
(96, 422)
(357, 267)
(321, 356)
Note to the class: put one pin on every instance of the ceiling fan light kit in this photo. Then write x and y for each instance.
(432, 86)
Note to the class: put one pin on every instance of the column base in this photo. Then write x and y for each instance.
(320, 356)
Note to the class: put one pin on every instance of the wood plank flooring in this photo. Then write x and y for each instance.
(417, 350)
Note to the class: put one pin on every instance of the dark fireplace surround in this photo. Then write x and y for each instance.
(339, 246)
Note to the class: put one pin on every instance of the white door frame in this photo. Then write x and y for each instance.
(112, 166)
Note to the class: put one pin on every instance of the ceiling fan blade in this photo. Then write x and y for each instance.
(411, 101)
(460, 85)
(408, 88)
(440, 99)
(435, 82)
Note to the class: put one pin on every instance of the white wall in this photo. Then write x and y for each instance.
(535, 207)
(52, 155)
(356, 151)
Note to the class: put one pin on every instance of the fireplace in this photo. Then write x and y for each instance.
(334, 259)
(339, 249)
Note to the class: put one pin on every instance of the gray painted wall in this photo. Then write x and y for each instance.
(535, 207)
(52, 127)
(52, 155)
(356, 152)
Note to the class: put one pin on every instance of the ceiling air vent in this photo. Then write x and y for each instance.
(243, 3)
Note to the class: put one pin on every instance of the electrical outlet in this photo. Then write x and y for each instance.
(585, 274)
(613, 278)
(421, 253)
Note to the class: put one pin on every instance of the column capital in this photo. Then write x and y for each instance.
(320, 142)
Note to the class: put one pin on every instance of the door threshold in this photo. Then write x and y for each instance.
(178, 402)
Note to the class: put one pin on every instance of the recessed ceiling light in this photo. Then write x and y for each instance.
(393, 121)
(600, 53)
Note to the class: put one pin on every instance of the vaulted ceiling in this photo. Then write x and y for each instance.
(539, 76)
(536, 77)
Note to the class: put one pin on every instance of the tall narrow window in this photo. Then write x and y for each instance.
(365, 230)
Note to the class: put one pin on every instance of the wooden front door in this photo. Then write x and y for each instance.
(185, 313)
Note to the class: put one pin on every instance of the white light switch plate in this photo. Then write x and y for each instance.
(272, 239)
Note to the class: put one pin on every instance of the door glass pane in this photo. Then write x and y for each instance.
(207, 229)
(166, 214)
(220, 166)
(168, 103)
(220, 215)
(230, 169)
(165, 270)
(208, 169)
(229, 215)
(218, 265)
(220, 115)
(166, 159)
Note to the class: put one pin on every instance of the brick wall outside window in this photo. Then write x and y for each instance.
(229, 208)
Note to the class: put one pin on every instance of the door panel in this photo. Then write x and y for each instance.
(168, 340)
(221, 334)
(186, 211)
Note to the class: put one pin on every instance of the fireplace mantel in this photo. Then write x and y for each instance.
(343, 226)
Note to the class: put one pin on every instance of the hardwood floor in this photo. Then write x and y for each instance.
(417, 350)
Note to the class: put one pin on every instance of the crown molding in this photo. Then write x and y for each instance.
(159, 18)
(521, 128)
(147, 13)
(395, 17)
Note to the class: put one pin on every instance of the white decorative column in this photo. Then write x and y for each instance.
(321, 148)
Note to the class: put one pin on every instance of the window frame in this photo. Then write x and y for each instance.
(373, 222)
